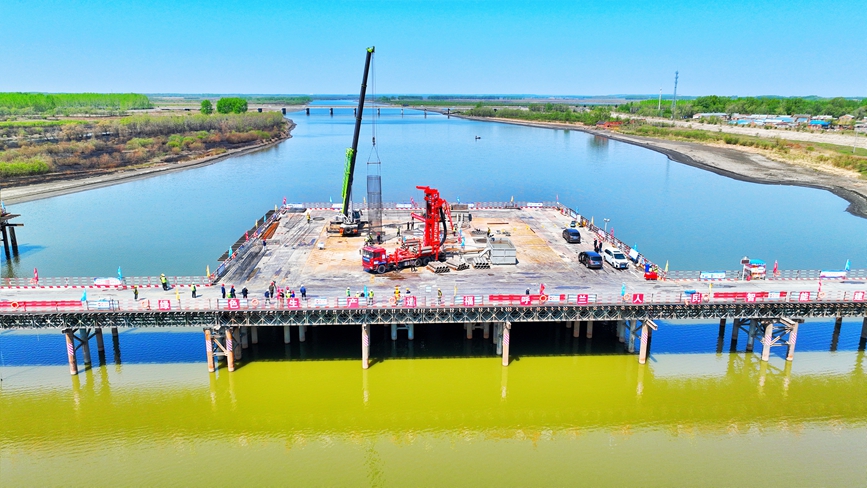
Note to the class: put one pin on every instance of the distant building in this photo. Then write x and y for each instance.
(845, 119)
(707, 115)
(819, 124)
(609, 125)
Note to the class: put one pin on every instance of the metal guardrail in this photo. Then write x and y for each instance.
(687, 298)
(101, 282)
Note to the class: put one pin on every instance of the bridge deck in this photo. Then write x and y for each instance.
(293, 257)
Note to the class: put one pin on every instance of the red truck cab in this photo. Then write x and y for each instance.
(372, 257)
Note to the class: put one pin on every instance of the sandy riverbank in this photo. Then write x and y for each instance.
(733, 163)
(20, 194)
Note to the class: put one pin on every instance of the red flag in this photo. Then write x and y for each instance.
(36, 275)
(284, 201)
(542, 288)
(246, 236)
(412, 201)
(776, 270)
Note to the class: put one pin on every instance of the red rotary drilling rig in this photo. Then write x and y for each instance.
(415, 252)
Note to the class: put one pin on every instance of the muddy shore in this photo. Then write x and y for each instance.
(732, 163)
(63, 186)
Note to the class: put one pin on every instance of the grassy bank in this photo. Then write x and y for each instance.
(775, 148)
(28, 149)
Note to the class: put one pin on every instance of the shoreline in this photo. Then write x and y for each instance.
(728, 162)
(65, 186)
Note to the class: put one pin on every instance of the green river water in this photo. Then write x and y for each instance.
(681, 420)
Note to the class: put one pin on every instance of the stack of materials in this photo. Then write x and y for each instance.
(438, 267)
(457, 264)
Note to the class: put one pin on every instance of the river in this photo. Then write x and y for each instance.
(439, 410)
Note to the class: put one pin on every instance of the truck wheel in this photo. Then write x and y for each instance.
(424, 261)
(380, 269)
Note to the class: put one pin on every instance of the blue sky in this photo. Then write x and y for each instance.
(554, 48)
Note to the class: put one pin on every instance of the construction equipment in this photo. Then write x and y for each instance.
(349, 223)
(416, 252)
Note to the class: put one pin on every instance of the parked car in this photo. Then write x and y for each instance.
(572, 236)
(615, 258)
(590, 259)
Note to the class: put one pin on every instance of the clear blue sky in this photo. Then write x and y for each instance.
(735, 47)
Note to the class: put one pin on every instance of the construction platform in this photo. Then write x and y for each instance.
(302, 252)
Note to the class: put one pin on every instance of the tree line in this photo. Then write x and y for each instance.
(835, 107)
(548, 112)
(70, 103)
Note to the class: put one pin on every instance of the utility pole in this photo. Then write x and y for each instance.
(659, 105)
(674, 100)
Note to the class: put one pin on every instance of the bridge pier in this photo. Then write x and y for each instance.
(863, 342)
(589, 334)
(751, 335)
(576, 328)
(647, 328)
(84, 337)
(254, 334)
(507, 327)
(721, 336)
(736, 328)
(236, 338)
(245, 342)
(230, 349)
(302, 333)
(621, 327)
(835, 337)
(365, 346)
(209, 350)
(70, 351)
(767, 341)
(409, 328)
(287, 334)
(793, 336)
(115, 344)
(778, 332)
(486, 330)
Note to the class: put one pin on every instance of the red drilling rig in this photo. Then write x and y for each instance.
(415, 252)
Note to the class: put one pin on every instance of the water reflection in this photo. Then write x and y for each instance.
(598, 142)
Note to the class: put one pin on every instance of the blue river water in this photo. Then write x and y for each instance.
(179, 223)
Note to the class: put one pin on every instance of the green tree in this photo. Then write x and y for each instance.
(231, 105)
(207, 107)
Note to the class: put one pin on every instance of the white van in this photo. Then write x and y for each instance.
(615, 258)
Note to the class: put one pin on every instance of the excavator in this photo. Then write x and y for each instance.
(414, 251)
(348, 222)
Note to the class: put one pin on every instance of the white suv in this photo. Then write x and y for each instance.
(615, 258)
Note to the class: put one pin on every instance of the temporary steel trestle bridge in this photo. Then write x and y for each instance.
(773, 323)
